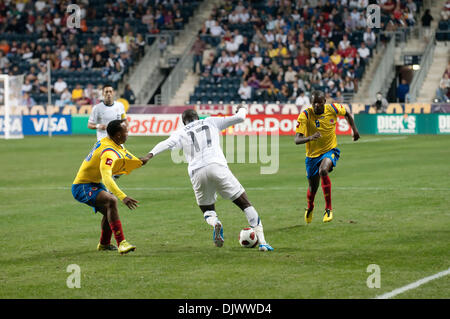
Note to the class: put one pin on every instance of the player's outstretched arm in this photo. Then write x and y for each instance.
(146, 158)
(224, 122)
(167, 144)
(93, 126)
(300, 139)
(351, 122)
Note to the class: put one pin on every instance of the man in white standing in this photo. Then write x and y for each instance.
(106, 111)
(208, 169)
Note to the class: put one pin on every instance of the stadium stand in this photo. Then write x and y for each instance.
(443, 91)
(112, 37)
(443, 31)
(271, 45)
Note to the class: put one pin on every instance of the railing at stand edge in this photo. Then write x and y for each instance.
(419, 75)
(384, 68)
(177, 75)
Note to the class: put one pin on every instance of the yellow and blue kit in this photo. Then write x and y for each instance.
(105, 160)
(309, 123)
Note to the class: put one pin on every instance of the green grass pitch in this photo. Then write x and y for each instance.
(390, 202)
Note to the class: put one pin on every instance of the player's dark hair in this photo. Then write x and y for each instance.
(114, 127)
(107, 85)
(318, 94)
(188, 116)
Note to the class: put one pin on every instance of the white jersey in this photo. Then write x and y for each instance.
(103, 114)
(200, 140)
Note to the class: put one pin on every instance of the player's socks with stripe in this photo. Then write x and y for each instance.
(256, 224)
(211, 217)
(105, 238)
(310, 199)
(326, 187)
(309, 211)
(116, 228)
(252, 216)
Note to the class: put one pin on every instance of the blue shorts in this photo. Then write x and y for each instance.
(87, 193)
(313, 163)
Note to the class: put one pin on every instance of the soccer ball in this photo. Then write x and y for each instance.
(248, 238)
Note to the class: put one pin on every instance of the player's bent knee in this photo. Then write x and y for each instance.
(110, 201)
(323, 172)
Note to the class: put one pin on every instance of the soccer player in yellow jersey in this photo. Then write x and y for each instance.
(106, 158)
(316, 128)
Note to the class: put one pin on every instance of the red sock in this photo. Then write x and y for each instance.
(105, 238)
(326, 187)
(117, 230)
(310, 198)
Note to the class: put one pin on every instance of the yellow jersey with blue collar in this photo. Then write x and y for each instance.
(105, 160)
(309, 123)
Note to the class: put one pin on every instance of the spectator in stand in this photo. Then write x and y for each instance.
(369, 38)
(59, 86)
(27, 86)
(402, 90)
(426, 23)
(338, 98)
(302, 99)
(148, 16)
(66, 97)
(90, 94)
(162, 45)
(283, 95)
(27, 100)
(364, 52)
(295, 91)
(216, 30)
(270, 95)
(442, 93)
(381, 103)
(245, 91)
(290, 75)
(129, 94)
(77, 93)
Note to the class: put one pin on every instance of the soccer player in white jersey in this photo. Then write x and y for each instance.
(105, 112)
(208, 169)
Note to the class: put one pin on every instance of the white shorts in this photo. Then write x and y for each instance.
(208, 180)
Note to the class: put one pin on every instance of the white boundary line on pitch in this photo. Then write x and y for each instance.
(413, 285)
(375, 140)
(247, 188)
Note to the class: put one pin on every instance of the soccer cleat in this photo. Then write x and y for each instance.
(101, 247)
(308, 216)
(218, 235)
(327, 216)
(125, 247)
(265, 247)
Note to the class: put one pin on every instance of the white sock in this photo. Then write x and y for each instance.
(211, 217)
(252, 216)
(255, 223)
(260, 234)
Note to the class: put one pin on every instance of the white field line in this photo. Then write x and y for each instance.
(413, 285)
(374, 140)
(362, 188)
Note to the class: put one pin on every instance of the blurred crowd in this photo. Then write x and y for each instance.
(284, 49)
(110, 38)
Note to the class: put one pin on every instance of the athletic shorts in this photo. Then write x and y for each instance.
(87, 193)
(212, 179)
(313, 163)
